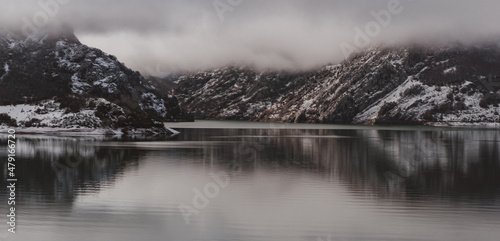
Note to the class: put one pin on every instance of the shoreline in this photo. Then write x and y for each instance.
(246, 124)
(242, 124)
(56, 131)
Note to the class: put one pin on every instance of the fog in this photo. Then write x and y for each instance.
(158, 37)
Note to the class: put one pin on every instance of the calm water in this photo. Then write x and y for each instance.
(274, 182)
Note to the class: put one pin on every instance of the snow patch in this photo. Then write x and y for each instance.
(6, 69)
(429, 95)
(152, 102)
(106, 64)
(443, 62)
(450, 70)
(49, 114)
(78, 86)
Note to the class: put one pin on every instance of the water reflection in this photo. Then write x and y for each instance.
(57, 169)
(385, 162)
(287, 184)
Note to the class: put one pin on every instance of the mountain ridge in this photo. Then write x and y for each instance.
(451, 85)
(55, 70)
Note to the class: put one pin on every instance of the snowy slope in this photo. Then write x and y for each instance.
(450, 85)
(58, 64)
(96, 116)
(50, 114)
(55, 81)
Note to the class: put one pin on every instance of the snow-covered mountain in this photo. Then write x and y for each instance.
(54, 72)
(455, 84)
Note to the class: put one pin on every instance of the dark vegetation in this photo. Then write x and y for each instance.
(7, 120)
(490, 99)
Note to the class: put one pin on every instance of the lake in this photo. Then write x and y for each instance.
(223, 180)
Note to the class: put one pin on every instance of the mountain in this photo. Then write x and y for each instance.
(448, 85)
(54, 80)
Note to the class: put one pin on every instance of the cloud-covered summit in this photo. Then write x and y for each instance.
(160, 36)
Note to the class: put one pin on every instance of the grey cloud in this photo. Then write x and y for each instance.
(171, 35)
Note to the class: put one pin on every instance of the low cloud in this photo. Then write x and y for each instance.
(158, 37)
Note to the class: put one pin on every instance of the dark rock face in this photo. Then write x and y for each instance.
(56, 64)
(405, 85)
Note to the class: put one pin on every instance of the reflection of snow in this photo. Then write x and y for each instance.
(410, 151)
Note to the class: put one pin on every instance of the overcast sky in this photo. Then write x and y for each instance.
(160, 36)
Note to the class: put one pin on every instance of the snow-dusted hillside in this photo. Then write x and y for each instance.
(55, 65)
(452, 85)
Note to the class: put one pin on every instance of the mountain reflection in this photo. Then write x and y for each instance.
(387, 163)
(56, 169)
(382, 162)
